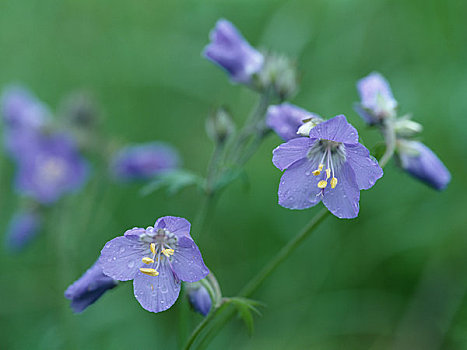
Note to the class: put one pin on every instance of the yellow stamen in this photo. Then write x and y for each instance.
(328, 173)
(153, 248)
(333, 182)
(318, 171)
(168, 252)
(322, 184)
(149, 272)
(147, 260)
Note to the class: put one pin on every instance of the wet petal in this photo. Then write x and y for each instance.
(335, 129)
(178, 226)
(157, 293)
(365, 167)
(187, 262)
(288, 153)
(121, 257)
(342, 201)
(135, 231)
(298, 188)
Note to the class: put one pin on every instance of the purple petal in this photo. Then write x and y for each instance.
(199, 299)
(285, 119)
(342, 201)
(157, 293)
(365, 167)
(187, 262)
(298, 188)
(420, 161)
(290, 152)
(22, 229)
(376, 95)
(121, 257)
(335, 129)
(180, 227)
(135, 231)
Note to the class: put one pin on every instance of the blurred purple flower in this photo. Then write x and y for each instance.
(377, 101)
(23, 116)
(285, 119)
(144, 161)
(156, 259)
(199, 299)
(49, 167)
(89, 288)
(230, 51)
(23, 228)
(331, 152)
(420, 161)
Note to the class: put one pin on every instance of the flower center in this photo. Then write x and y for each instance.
(329, 150)
(51, 170)
(162, 244)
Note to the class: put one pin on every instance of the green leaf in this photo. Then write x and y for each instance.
(173, 181)
(245, 308)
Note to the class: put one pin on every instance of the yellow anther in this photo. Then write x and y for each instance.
(333, 182)
(328, 173)
(149, 272)
(320, 167)
(147, 260)
(168, 252)
(322, 184)
(318, 171)
(153, 248)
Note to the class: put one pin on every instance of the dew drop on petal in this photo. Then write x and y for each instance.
(122, 249)
(131, 264)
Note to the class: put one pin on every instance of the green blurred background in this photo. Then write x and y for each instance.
(395, 278)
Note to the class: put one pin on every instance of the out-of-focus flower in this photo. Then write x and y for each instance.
(286, 119)
(404, 127)
(377, 102)
(144, 161)
(420, 161)
(89, 288)
(219, 126)
(156, 259)
(280, 74)
(199, 298)
(50, 167)
(23, 228)
(230, 51)
(331, 153)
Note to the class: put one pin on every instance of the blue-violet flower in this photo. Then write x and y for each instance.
(23, 228)
(420, 161)
(377, 101)
(286, 119)
(330, 153)
(199, 298)
(230, 51)
(144, 161)
(156, 259)
(89, 288)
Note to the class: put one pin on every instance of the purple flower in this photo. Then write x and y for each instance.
(144, 161)
(420, 161)
(23, 228)
(50, 167)
(156, 259)
(376, 97)
(230, 51)
(88, 288)
(199, 298)
(286, 119)
(331, 153)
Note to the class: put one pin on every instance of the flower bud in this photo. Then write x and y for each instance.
(420, 162)
(280, 74)
(405, 127)
(199, 298)
(219, 126)
(23, 228)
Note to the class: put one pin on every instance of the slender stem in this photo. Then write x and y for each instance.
(390, 139)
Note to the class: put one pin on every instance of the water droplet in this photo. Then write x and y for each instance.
(122, 249)
(114, 258)
(131, 264)
(164, 288)
(162, 301)
(307, 173)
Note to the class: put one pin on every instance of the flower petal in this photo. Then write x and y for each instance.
(298, 188)
(335, 129)
(288, 153)
(180, 227)
(187, 262)
(342, 201)
(365, 167)
(157, 293)
(121, 257)
(135, 231)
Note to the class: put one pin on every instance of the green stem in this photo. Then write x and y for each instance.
(390, 139)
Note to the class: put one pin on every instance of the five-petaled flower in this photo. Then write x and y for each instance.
(230, 51)
(329, 165)
(156, 259)
(377, 102)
